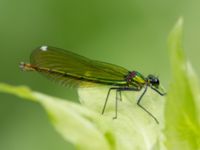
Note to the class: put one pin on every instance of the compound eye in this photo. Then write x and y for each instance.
(156, 82)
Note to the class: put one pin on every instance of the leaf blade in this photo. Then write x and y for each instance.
(181, 110)
(72, 121)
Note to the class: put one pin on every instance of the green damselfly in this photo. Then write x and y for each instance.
(71, 69)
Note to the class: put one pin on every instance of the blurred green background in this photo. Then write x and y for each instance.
(130, 33)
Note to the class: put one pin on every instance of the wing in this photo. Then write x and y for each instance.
(71, 69)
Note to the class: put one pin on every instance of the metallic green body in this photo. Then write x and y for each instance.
(71, 69)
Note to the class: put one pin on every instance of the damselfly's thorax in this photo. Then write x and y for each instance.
(136, 79)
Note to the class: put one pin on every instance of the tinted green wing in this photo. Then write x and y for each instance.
(71, 69)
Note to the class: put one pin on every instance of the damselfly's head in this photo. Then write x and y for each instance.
(153, 81)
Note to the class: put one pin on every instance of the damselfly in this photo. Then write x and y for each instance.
(71, 69)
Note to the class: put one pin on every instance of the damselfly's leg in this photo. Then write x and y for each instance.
(120, 95)
(162, 94)
(104, 107)
(116, 103)
(140, 98)
(118, 90)
(138, 103)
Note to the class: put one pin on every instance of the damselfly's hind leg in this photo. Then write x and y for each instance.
(116, 102)
(120, 95)
(104, 106)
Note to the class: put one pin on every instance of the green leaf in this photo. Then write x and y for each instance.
(87, 129)
(134, 128)
(183, 100)
(74, 122)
